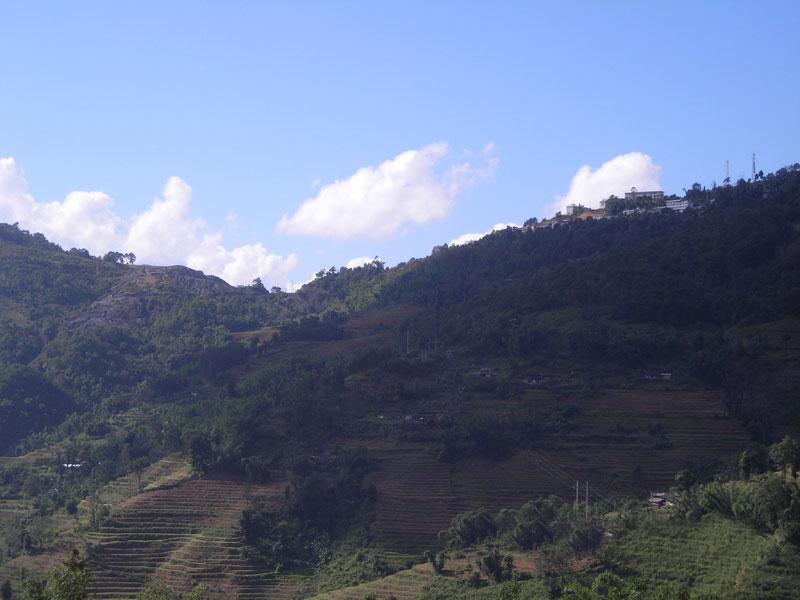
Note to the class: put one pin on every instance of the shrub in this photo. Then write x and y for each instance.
(437, 561)
(495, 566)
(470, 528)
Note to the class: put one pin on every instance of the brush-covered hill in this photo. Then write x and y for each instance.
(359, 415)
(76, 330)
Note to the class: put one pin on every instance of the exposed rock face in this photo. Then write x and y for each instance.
(185, 277)
(123, 308)
(142, 290)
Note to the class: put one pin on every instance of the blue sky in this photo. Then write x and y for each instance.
(260, 107)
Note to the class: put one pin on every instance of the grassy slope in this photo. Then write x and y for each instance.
(409, 584)
(715, 556)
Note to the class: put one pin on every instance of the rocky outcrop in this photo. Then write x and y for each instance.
(142, 291)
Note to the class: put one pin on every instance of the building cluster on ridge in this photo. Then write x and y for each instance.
(651, 201)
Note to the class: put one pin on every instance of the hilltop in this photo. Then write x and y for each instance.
(358, 416)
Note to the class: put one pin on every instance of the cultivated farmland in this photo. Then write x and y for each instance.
(182, 535)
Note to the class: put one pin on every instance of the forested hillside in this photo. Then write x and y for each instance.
(358, 416)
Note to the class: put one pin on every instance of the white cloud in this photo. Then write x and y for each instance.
(293, 286)
(375, 202)
(83, 219)
(360, 261)
(616, 176)
(243, 264)
(468, 238)
(162, 234)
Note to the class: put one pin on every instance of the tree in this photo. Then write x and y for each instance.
(495, 566)
(753, 460)
(532, 523)
(584, 537)
(114, 257)
(437, 561)
(71, 582)
(786, 453)
(6, 592)
(82, 252)
(472, 527)
(97, 510)
(127, 258)
(33, 589)
(68, 582)
(201, 452)
(138, 466)
(608, 585)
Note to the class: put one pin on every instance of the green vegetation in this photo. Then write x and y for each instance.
(68, 582)
(724, 539)
(377, 406)
(608, 585)
(320, 504)
(536, 523)
(164, 592)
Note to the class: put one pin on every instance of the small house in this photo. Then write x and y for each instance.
(659, 500)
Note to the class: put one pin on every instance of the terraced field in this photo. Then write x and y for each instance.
(610, 445)
(170, 470)
(13, 505)
(416, 498)
(643, 437)
(182, 535)
(419, 495)
(372, 329)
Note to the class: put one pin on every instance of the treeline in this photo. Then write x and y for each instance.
(536, 523)
(762, 500)
(674, 269)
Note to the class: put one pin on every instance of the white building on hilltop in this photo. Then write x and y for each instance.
(678, 204)
(635, 194)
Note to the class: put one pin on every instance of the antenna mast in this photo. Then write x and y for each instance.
(754, 166)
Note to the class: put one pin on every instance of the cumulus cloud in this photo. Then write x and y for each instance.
(83, 219)
(617, 176)
(468, 238)
(243, 264)
(360, 261)
(163, 234)
(375, 202)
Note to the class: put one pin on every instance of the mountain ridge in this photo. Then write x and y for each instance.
(386, 401)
